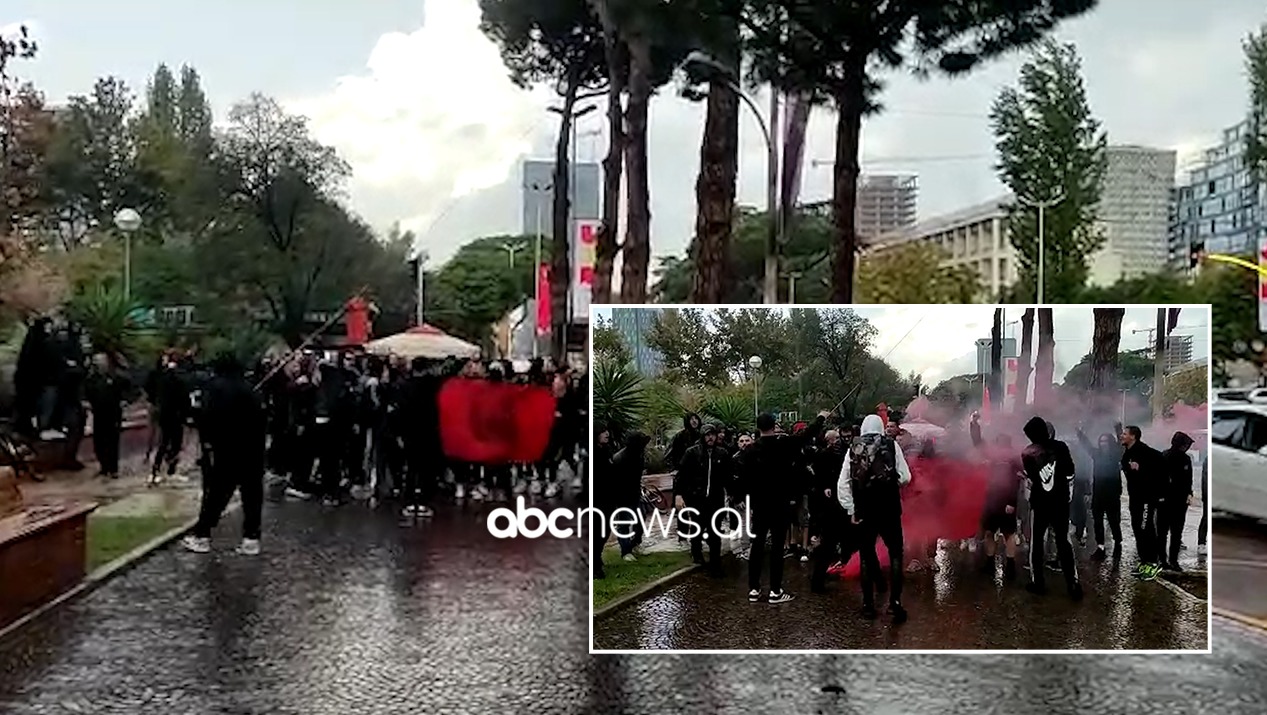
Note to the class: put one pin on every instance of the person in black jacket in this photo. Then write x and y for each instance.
(1145, 471)
(701, 481)
(624, 480)
(605, 496)
(169, 393)
(829, 518)
(1001, 500)
(106, 391)
(1106, 491)
(1176, 497)
(33, 372)
(683, 440)
(419, 420)
(771, 467)
(1050, 470)
(1204, 527)
(232, 427)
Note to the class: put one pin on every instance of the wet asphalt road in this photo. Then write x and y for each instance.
(346, 612)
(959, 607)
(1240, 567)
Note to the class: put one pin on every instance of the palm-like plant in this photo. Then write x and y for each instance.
(730, 410)
(106, 317)
(619, 399)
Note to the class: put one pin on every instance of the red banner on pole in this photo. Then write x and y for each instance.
(486, 422)
(543, 299)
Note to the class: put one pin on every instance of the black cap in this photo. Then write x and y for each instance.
(708, 429)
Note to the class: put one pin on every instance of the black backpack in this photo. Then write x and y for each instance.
(873, 460)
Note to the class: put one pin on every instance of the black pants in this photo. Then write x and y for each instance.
(105, 441)
(707, 510)
(1053, 517)
(769, 523)
(1078, 509)
(219, 482)
(1172, 515)
(330, 439)
(1203, 529)
(354, 455)
(834, 533)
(1144, 526)
(1107, 506)
(889, 530)
(303, 454)
(171, 438)
(422, 468)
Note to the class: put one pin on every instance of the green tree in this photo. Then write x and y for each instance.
(1051, 146)
(692, 354)
(915, 272)
(1132, 373)
(1255, 47)
(560, 43)
(1191, 387)
(836, 51)
(478, 286)
(609, 344)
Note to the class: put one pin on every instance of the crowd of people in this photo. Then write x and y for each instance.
(337, 427)
(841, 489)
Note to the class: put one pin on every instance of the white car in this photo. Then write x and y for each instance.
(1238, 446)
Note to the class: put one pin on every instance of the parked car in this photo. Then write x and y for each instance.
(1238, 445)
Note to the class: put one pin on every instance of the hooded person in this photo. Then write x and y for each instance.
(869, 490)
(1050, 470)
(701, 481)
(232, 426)
(830, 519)
(1145, 471)
(1176, 497)
(32, 374)
(1106, 491)
(683, 440)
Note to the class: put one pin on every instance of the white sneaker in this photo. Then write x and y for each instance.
(1201, 550)
(425, 511)
(459, 492)
(804, 558)
(534, 487)
(296, 494)
(409, 511)
(577, 483)
(629, 557)
(552, 490)
(479, 493)
(196, 544)
(518, 487)
(52, 435)
(249, 547)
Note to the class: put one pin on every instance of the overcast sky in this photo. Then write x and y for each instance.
(939, 341)
(418, 102)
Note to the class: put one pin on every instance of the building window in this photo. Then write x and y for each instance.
(1210, 189)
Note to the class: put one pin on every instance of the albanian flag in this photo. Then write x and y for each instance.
(495, 422)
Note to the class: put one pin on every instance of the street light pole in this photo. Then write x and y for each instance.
(1042, 207)
(720, 72)
(127, 220)
(754, 363)
(421, 257)
(538, 190)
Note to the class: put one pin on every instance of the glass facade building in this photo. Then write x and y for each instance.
(1221, 207)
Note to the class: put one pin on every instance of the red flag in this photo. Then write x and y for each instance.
(357, 321)
(543, 299)
(494, 422)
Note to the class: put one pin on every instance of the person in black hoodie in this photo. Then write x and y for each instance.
(771, 467)
(624, 480)
(419, 432)
(169, 391)
(830, 519)
(1176, 497)
(688, 437)
(1050, 470)
(232, 427)
(701, 481)
(605, 495)
(33, 372)
(1106, 491)
(1145, 471)
(106, 391)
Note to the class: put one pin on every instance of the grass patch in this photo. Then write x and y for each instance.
(626, 576)
(110, 537)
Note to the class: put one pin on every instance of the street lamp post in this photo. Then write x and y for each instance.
(421, 256)
(127, 220)
(537, 188)
(511, 249)
(791, 286)
(718, 70)
(754, 362)
(1042, 207)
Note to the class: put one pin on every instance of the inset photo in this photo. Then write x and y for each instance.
(901, 477)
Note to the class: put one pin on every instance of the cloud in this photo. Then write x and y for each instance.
(432, 120)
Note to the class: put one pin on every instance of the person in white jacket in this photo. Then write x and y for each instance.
(869, 490)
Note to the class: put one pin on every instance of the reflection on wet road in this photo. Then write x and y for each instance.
(348, 613)
(1240, 567)
(959, 607)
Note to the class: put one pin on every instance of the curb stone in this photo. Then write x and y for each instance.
(1258, 624)
(634, 595)
(107, 571)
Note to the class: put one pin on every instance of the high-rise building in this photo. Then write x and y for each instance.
(1134, 214)
(975, 237)
(634, 326)
(886, 203)
(1178, 351)
(1221, 207)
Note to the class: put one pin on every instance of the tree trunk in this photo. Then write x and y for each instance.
(560, 261)
(850, 103)
(1026, 358)
(607, 242)
(637, 248)
(715, 186)
(996, 359)
(1104, 348)
(1044, 364)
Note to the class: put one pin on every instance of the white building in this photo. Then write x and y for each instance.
(1134, 214)
(975, 237)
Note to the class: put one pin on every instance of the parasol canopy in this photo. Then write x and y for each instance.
(424, 341)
